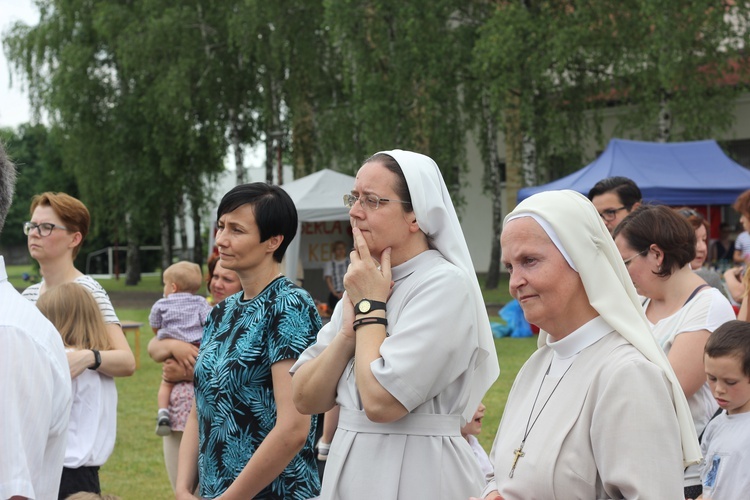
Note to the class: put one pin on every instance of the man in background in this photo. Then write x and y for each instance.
(614, 198)
(35, 386)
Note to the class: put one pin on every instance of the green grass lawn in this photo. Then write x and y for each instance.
(147, 284)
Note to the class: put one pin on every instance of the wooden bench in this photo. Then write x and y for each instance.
(135, 327)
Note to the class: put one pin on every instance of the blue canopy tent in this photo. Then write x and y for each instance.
(677, 173)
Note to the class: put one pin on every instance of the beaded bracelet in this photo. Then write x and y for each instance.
(369, 321)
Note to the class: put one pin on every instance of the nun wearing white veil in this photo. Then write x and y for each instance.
(597, 411)
(408, 353)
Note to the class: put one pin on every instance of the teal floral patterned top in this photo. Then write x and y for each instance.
(234, 388)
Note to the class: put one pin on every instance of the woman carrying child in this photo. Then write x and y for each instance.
(93, 416)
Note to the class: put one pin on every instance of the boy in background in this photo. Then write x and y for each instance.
(334, 271)
(726, 441)
(180, 315)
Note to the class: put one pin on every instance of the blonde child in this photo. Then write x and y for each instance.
(93, 415)
(470, 431)
(180, 315)
(726, 441)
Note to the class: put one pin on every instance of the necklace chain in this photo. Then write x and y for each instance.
(518, 452)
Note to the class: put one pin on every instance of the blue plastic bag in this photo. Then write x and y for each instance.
(513, 316)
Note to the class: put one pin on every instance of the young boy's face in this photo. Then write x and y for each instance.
(729, 384)
(339, 251)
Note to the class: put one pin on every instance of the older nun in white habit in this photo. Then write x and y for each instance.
(596, 412)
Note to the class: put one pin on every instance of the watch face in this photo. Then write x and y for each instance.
(363, 306)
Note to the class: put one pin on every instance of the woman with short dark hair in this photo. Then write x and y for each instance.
(657, 245)
(244, 438)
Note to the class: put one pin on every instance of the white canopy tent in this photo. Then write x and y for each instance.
(318, 198)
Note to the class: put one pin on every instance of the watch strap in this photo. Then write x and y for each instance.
(375, 305)
(370, 320)
(97, 360)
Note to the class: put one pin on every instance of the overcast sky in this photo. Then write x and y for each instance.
(14, 104)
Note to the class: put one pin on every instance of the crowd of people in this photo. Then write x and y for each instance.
(640, 386)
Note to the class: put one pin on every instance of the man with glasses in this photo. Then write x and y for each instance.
(35, 387)
(614, 198)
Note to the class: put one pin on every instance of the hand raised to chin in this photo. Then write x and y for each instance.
(364, 278)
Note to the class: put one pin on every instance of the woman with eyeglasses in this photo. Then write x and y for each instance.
(58, 226)
(658, 245)
(408, 353)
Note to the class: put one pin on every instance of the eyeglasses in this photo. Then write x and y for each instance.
(43, 229)
(689, 212)
(610, 214)
(369, 201)
(629, 259)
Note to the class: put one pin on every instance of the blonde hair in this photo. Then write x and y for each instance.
(186, 275)
(76, 315)
(84, 495)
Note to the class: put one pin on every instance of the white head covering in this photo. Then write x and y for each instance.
(585, 238)
(437, 218)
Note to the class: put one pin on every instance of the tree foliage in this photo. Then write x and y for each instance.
(147, 96)
(550, 68)
(125, 97)
(36, 154)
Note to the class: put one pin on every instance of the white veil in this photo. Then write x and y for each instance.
(437, 218)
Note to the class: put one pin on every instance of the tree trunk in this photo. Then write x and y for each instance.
(495, 182)
(665, 118)
(165, 223)
(273, 131)
(239, 153)
(197, 236)
(182, 228)
(133, 257)
(529, 162)
(269, 158)
(513, 149)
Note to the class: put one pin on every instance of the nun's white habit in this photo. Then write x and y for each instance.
(438, 361)
(617, 425)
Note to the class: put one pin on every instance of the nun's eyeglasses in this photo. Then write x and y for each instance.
(368, 201)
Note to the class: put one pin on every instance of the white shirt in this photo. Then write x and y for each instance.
(726, 452)
(482, 459)
(93, 286)
(336, 269)
(35, 395)
(93, 420)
